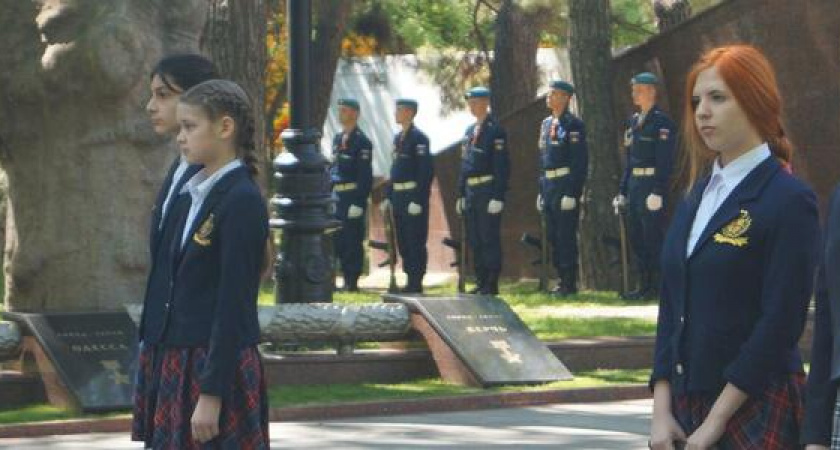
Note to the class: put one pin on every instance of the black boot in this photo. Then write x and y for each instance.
(414, 285)
(351, 285)
(492, 285)
(653, 287)
(568, 283)
(642, 292)
(481, 282)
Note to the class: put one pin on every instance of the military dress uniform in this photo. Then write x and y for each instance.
(412, 171)
(564, 163)
(352, 177)
(649, 141)
(485, 169)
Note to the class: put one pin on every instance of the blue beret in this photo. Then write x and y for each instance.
(350, 103)
(644, 78)
(407, 102)
(562, 86)
(478, 92)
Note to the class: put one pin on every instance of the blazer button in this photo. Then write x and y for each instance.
(682, 319)
(679, 369)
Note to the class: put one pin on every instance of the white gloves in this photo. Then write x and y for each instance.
(459, 206)
(414, 209)
(654, 202)
(619, 202)
(567, 203)
(539, 203)
(354, 212)
(495, 206)
(384, 205)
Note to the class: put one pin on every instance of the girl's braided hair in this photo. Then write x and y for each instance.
(225, 98)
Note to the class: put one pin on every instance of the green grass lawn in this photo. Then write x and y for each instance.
(43, 413)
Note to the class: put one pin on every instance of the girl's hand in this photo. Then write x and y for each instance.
(205, 418)
(707, 435)
(664, 431)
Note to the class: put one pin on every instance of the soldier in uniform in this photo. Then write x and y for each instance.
(482, 185)
(352, 177)
(649, 140)
(564, 162)
(408, 194)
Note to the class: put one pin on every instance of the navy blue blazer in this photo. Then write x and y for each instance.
(733, 312)
(216, 277)
(157, 283)
(821, 393)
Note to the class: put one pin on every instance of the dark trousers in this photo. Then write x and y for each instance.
(484, 235)
(412, 234)
(348, 242)
(645, 228)
(561, 231)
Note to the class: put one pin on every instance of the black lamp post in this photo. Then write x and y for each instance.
(303, 202)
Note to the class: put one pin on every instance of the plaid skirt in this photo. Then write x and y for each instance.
(769, 422)
(835, 432)
(167, 390)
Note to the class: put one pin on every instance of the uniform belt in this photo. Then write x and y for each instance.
(644, 171)
(557, 173)
(407, 186)
(343, 187)
(475, 181)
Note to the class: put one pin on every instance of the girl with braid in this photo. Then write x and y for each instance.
(211, 391)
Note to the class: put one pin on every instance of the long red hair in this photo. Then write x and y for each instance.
(752, 80)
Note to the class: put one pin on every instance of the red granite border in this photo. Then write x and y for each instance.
(472, 402)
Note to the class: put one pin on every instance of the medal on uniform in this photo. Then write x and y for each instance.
(664, 133)
(628, 137)
(733, 232)
(500, 144)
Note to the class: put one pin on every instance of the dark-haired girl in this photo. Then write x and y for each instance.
(171, 77)
(210, 390)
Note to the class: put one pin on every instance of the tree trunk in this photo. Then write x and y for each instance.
(514, 78)
(330, 25)
(591, 61)
(82, 160)
(235, 39)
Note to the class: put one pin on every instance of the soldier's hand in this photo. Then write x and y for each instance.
(654, 202)
(495, 207)
(414, 209)
(567, 203)
(459, 206)
(539, 202)
(384, 205)
(354, 212)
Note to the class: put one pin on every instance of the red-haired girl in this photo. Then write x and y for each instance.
(738, 267)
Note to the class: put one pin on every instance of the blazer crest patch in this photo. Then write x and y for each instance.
(202, 236)
(733, 233)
